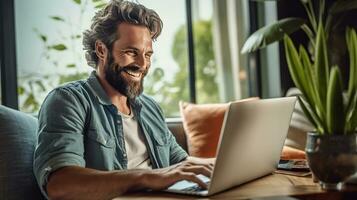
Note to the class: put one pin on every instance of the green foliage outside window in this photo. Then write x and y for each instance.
(169, 93)
(33, 88)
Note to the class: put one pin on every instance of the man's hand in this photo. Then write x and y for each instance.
(73, 182)
(159, 179)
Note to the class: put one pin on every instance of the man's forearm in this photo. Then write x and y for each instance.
(83, 183)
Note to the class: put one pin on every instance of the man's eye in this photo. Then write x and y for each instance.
(148, 56)
(131, 53)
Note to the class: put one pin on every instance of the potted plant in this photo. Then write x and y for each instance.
(331, 149)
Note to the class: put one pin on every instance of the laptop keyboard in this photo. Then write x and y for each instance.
(195, 188)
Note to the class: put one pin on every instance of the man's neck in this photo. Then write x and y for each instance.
(118, 99)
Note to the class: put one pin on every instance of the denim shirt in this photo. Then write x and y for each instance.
(79, 126)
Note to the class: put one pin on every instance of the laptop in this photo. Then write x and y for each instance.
(252, 138)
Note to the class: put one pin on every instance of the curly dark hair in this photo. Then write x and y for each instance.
(106, 20)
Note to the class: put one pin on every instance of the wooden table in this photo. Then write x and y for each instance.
(275, 186)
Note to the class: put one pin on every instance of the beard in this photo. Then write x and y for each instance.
(114, 74)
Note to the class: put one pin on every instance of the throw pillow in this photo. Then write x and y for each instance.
(202, 124)
(290, 153)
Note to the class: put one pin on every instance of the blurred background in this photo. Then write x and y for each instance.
(197, 57)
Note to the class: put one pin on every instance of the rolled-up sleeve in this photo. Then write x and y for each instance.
(177, 154)
(60, 143)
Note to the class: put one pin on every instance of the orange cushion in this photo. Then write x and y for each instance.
(290, 153)
(202, 124)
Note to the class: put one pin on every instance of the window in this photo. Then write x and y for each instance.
(172, 53)
(167, 80)
(205, 63)
(49, 51)
(49, 46)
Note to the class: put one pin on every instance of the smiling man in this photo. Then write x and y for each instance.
(101, 137)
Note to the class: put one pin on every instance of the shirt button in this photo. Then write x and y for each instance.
(103, 141)
(124, 155)
(48, 169)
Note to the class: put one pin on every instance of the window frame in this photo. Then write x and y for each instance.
(8, 66)
(191, 53)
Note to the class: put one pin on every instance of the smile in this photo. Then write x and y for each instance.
(134, 74)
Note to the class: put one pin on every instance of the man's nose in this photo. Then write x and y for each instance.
(142, 62)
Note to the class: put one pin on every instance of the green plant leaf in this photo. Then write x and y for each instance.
(301, 79)
(321, 64)
(296, 68)
(71, 65)
(307, 111)
(20, 90)
(335, 111)
(312, 93)
(57, 18)
(309, 34)
(351, 115)
(101, 5)
(30, 101)
(41, 85)
(351, 110)
(76, 36)
(77, 1)
(311, 116)
(351, 39)
(307, 66)
(271, 33)
(43, 37)
(58, 47)
(343, 6)
(354, 119)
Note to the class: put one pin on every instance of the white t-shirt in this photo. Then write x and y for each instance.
(136, 151)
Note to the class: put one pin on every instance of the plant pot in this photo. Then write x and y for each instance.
(332, 158)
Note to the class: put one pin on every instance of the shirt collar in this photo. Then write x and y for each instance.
(98, 90)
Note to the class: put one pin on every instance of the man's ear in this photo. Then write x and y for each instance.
(101, 50)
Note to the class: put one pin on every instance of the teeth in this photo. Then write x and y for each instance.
(135, 74)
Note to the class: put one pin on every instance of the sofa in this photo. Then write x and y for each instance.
(18, 138)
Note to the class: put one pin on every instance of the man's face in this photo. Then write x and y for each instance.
(130, 60)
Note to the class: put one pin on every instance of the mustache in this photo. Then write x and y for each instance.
(134, 68)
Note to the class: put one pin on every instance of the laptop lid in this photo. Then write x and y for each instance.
(251, 141)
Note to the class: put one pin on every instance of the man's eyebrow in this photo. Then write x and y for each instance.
(130, 47)
(136, 49)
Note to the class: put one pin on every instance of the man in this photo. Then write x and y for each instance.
(101, 137)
